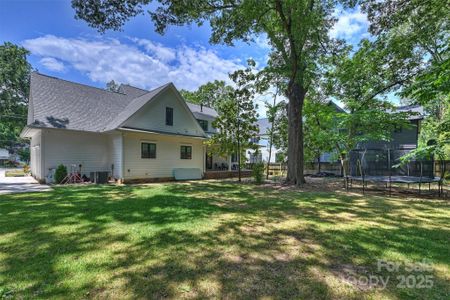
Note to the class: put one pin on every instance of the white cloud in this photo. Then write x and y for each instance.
(165, 54)
(105, 59)
(263, 42)
(52, 64)
(350, 24)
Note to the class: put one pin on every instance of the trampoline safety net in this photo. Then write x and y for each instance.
(381, 162)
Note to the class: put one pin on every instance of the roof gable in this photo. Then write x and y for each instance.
(148, 113)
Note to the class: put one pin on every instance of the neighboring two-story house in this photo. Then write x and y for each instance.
(402, 139)
(133, 134)
(405, 138)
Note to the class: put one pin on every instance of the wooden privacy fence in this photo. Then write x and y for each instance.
(440, 166)
(276, 169)
(329, 167)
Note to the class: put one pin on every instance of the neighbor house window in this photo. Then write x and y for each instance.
(169, 116)
(254, 140)
(203, 124)
(186, 152)
(148, 150)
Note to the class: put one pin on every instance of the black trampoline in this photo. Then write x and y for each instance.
(382, 166)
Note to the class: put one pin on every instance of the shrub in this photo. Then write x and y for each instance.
(26, 169)
(258, 172)
(60, 173)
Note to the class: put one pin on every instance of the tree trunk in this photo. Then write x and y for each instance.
(270, 156)
(271, 136)
(296, 96)
(239, 159)
(318, 162)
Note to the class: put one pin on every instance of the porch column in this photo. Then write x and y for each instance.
(229, 162)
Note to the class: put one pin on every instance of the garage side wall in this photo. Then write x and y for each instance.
(35, 156)
(91, 150)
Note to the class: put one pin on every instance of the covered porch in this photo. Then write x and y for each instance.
(217, 166)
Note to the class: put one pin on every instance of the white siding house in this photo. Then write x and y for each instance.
(133, 134)
(167, 155)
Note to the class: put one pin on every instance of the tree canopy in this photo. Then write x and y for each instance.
(209, 94)
(297, 31)
(419, 30)
(14, 89)
(236, 123)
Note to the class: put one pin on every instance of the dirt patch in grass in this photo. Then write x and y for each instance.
(15, 173)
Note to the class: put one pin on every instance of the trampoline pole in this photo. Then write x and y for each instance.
(389, 166)
(390, 187)
(363, 185)
(420, 181)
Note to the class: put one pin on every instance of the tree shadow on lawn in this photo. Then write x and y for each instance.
(206, 239)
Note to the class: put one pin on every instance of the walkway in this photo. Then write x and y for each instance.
(10, 185)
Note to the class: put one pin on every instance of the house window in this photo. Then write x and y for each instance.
(148, 150)
(186, 152)
(254, 140)
(169, 116)
(203, 124)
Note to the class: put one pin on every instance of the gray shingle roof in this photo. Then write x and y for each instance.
(263, 125)
(57, 103)
(199, 110)
(417, 111)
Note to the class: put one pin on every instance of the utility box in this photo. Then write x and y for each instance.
(99, 177)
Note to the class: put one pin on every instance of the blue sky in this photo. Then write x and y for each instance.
(67, 48)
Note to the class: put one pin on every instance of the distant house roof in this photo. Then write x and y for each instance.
(336, 107)
(202, 110)
(417, 110)
(58, 103)
(263, 125)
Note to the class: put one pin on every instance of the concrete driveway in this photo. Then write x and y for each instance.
(10, 185)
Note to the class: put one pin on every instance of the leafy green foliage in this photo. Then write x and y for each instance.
(319, 122)
(236, 123)
(60, 173)
(418, 31)
(209, 94)
(360, 81)
(277, 115)
(24, 154)
(258, 172)
(108, 14)
(14, 89)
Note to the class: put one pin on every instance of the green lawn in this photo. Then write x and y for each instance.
(217, 240)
